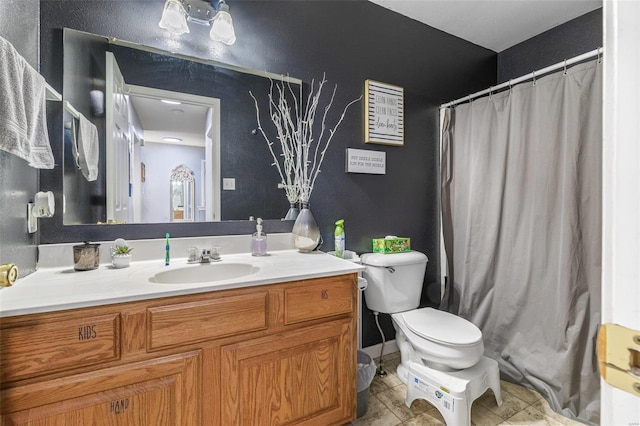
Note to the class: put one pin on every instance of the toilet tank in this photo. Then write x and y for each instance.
(395, 280)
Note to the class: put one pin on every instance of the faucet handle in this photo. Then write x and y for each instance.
(193, 255)
(215, 253)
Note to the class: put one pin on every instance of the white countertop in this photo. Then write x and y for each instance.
(56, 289)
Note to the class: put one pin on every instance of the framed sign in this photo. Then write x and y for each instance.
(384, 113)
(365, 161)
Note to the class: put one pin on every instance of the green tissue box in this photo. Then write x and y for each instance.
(391, 245)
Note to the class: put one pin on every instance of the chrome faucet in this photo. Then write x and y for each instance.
(209, 256)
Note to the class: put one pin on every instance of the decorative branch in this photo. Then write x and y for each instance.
(302, 154)
(287, 170)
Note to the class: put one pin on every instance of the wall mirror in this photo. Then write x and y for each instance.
(154, 111)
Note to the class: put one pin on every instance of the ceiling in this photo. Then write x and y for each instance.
(159, 119)
(494, 24)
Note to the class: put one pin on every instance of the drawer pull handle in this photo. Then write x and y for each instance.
(324, 294)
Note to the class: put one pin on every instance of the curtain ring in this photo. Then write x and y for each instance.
(599, 55)
(565, 67)
(490, 92)
(510, 86)
(534, 78)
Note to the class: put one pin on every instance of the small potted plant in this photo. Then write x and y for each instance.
(121, 256)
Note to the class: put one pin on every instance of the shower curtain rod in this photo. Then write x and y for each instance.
(530, 76)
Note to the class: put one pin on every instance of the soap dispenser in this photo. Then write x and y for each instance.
(259, 241)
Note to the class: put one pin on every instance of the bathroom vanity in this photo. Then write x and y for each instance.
(252, 350)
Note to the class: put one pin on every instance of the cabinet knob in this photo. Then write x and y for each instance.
(324, 294)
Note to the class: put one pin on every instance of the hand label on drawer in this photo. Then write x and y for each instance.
(119, 406)
(87, 332)
(324, 294)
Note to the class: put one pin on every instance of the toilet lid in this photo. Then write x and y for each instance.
(442, 327)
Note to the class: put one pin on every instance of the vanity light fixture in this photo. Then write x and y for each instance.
(222, 25)
(176, 13)
(174, 18)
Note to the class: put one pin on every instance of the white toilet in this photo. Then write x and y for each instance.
(441, 354)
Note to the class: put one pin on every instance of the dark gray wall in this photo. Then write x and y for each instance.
(565, 41)
(18, 182)
(350, 41)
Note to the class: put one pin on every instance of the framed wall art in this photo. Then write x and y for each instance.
(384, 113)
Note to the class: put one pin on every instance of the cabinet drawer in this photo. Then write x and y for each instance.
(192, 322)
(319, 299)
(34, 349)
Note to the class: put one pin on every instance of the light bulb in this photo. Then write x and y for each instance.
(222, 27)
(173, 18)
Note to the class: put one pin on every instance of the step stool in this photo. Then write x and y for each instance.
(453, 392)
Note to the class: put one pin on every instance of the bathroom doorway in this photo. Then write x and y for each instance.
(153, 130)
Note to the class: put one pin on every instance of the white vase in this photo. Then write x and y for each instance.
(293, 213)
(121, 260)
(306, 234)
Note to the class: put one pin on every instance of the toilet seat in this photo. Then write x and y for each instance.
(442, 327)
(437, 342)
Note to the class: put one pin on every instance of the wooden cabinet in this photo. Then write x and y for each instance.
(163, 391)
(321, 299)
(296, 377)
(39, 346)
(267, 355)
(186, 322)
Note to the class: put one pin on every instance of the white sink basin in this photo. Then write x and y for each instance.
(204, 273)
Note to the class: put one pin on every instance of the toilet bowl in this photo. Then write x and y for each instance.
(437, 339)
(427, 336)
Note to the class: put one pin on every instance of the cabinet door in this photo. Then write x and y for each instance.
(307, 376)
(162, 391)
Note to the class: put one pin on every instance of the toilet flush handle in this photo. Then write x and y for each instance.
(390, 269)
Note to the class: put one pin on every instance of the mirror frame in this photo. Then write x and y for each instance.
(54, 231)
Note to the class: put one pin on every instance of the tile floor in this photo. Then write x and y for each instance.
(520, 406)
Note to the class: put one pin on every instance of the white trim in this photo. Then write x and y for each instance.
(374, 351)
(621, 189)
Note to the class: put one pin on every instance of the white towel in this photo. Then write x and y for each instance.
(74, 140)
(23, 119)
(88, 152)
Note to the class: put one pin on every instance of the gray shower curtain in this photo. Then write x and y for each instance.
(521, 205)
